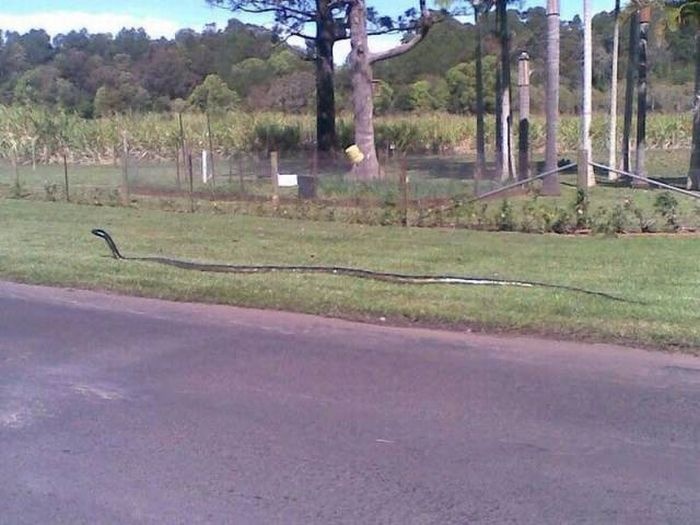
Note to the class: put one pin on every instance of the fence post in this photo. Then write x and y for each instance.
(205, 168)
(524, 110)
(241, 172)
(125, 170)
(177, 168)
(403, 190)
(65, 176)
(274, 170)
(191, 177)
(211, 149)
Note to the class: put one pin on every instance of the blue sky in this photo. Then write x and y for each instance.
(161, 18)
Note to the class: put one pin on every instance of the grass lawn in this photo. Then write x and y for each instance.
(50, 243)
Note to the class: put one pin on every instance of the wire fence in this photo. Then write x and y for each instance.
(250, 175)
(422, 190)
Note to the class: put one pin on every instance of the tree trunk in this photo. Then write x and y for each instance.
(480, 170)
(363, 106)
(550, 185)
(640, 165)
(629, 90)
(694, 170)
(326, 139)
(585, 170)
(612, 138)
(504, 115)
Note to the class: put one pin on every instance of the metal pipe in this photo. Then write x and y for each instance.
(521, 182)
(646, 179)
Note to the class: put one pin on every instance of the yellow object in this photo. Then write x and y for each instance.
(354, 154)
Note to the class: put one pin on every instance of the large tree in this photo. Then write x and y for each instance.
(479, 7)
(292, 18)
(361, 60)
(689, 13)
(550, 185)
(612, 137)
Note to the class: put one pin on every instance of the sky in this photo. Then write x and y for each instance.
(161, 18)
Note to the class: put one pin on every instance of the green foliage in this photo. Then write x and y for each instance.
(214, 95)
(505, 221)
(461, 83)
(666, 205)
(383, 98)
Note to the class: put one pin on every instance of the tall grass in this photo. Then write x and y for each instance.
(39, 133)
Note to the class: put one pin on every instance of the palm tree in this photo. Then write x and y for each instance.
(586, 178)
(629, 89)
(504, 157)
(479, 7)
(689, 12)
(550, 185)
(644, 20)
(612, 157)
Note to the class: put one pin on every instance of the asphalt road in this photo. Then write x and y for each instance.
(126, 410)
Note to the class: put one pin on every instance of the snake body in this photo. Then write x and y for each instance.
(346, 271)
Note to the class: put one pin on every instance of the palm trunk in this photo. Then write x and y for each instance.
(640, 165)
(361, 73)
(629, 90)
(480, 132)
(550, 185)
(585, 171)
(325, 92)
(612, 139)
(505, 117)
(694, 170)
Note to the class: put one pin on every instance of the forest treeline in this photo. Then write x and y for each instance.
(245, 67)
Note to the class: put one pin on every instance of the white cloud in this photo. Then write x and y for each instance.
(56, 22)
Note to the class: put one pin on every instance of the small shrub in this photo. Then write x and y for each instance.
(562, 221)
(666, 205)
(580, 207)
(52, 191)
(646, 224)
(610, 222)
(532, 220)
(505, 220)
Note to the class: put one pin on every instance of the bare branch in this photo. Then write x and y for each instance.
(423, 26)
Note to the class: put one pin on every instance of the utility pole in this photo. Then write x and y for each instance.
(524, 114)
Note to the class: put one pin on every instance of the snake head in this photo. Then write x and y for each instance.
(102, 234)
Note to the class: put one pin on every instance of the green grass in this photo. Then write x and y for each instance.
(50, 243)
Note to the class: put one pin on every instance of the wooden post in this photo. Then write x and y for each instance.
(15, 167)
(65, 176)
(33, 153)
(125, 170)
(274, 170)
(524, 127)
(190, 172)
(241, 172)
(177, 167)
(211, 150)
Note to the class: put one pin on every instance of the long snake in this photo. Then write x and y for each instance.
(346, 271)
